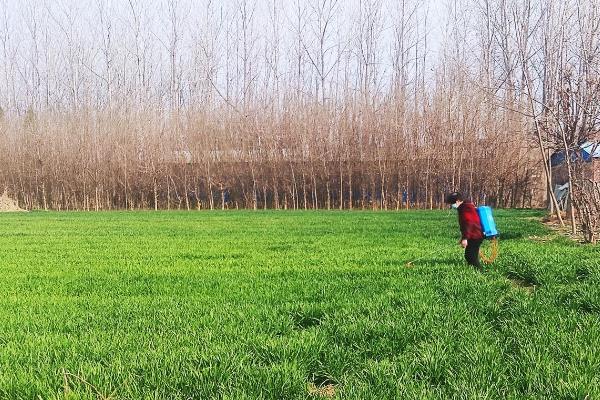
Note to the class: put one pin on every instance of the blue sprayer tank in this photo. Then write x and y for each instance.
(488, 225)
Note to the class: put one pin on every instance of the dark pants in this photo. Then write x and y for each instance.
(472, 253)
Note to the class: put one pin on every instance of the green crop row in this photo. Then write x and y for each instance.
(292, 305)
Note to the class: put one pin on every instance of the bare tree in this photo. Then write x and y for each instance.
(179, 104)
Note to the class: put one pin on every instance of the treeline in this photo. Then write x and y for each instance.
(182, 104)
(303, 161)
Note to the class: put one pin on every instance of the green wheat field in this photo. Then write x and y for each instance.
(292, 305)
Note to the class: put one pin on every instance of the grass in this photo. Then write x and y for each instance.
(294, 305)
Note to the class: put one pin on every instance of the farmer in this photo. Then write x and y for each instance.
(470, 227)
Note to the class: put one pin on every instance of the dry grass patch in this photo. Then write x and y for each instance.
(327, 391)
(7, 204)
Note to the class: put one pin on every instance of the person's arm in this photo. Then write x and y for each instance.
(462, 222)
(463, 227)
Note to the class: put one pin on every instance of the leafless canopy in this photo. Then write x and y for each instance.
(289, 104)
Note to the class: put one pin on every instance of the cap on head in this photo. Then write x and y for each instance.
(453, 198)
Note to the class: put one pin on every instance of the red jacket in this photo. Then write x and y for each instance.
(468, 219)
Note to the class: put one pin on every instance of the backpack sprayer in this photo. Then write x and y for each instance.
(488, 227)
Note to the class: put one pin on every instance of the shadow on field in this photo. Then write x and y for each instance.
(304, 318)
(527, 281)
(504, 236)
(436, 261)
(580, 299)
(210, 257)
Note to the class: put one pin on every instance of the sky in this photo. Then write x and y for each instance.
(75, 27)
(15, 10)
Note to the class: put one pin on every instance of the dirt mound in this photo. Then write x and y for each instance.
(8, 205)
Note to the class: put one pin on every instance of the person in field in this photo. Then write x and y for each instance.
(470, 228)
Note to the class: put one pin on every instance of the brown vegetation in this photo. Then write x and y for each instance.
(268, 105)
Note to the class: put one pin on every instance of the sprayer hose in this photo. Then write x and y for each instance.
(493, 252)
